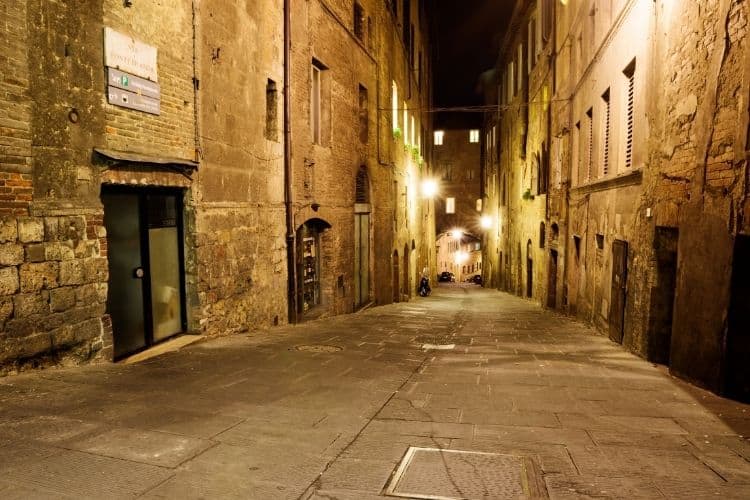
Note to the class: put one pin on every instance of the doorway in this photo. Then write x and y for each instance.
(395, 278)
(662, 295)
(552, 282)
(362, 238)
(146, 293)
(529, 271)
(737, 350)
(619, 289)
(361, 258)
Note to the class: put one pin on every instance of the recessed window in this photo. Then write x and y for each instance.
(364, 116)
(406, 125)
(629, 73)
(607, 115)
(394, 104)
(315, 114)
(359, 21)
(272, 100)
(439, 135)
(473, 136)
(599, 241)
(450, 205)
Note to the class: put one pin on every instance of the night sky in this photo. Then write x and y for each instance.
(467, 34)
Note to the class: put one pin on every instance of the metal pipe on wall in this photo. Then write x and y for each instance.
(288, 172)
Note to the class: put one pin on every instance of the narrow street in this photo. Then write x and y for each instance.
(328, 409)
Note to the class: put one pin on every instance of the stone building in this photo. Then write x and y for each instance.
(459, 253)
(142, 168)
(456, 156)
(640, 121)
(360, 141)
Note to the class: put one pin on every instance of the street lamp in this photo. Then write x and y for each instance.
(486, 222)
(457, 234)
(429, 188)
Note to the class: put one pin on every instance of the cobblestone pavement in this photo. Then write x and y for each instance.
(262, 416)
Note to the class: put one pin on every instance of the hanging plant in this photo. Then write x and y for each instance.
(527, 195)
(415, 154)
(397, 133)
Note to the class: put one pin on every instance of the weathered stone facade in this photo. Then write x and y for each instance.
(207, 171)
(457, 170)
(645, 105)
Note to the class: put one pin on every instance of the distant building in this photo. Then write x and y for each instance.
(460, 254)
(456, 166)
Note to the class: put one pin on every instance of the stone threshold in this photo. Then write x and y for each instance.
(171, 345)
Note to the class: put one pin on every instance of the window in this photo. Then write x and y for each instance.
(542, 235)
(473, 136)
(439, 134)
(548, 13)
(629, 113)
(364, 115)
(450, 205)
(359, 21)
(590, 147)
(272, 106)
(531, 44)
(413, 131)
(406, 125)
(407, 22)
(394, 104)
(315, 94)
(479, 204)
(607, 115)
(511, 82)
(577, 152)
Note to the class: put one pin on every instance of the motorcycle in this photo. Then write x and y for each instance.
(424, 287)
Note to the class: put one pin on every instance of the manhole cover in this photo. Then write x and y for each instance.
(318, 348)
(431, 473)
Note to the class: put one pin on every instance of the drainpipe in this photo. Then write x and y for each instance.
(288, 177)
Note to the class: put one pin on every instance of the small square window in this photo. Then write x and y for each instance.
(473, 136)
(439, 134)
(450, 206)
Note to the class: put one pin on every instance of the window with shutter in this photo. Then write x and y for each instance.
(607, 115)
(630, 113)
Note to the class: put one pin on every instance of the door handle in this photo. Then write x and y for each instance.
(138, 273)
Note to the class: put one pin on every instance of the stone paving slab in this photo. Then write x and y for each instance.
(250, 416)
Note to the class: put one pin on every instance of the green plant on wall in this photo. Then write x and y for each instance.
(415, 153)
(527, 195)
(397, 133)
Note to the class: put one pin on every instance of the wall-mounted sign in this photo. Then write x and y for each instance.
(129, 55)
(132, 83)
(131, 100)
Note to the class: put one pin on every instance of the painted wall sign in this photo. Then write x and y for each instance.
(126, 81)
(129, 55)
(131, 100)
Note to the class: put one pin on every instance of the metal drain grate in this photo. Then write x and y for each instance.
(430, 473)
(318, 348)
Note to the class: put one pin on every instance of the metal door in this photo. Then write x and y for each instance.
(125, 297)
(145, 297)
(361, 258)
(619, 290)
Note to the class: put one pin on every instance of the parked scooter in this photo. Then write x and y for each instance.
(424, 286)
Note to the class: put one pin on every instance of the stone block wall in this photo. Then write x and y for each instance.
(53, 283)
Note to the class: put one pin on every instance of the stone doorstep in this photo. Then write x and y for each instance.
(172, 345)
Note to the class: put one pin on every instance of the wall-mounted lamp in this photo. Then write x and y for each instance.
(127, 3)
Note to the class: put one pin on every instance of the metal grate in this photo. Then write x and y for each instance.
(429, 473)
(318, 348)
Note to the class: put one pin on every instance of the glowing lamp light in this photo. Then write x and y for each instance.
(486, 222)
(457, 234)
(429, 188)
(461, 257)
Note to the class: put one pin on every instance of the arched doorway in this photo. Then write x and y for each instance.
(309, 293)
(362, 238)
(395, 278)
